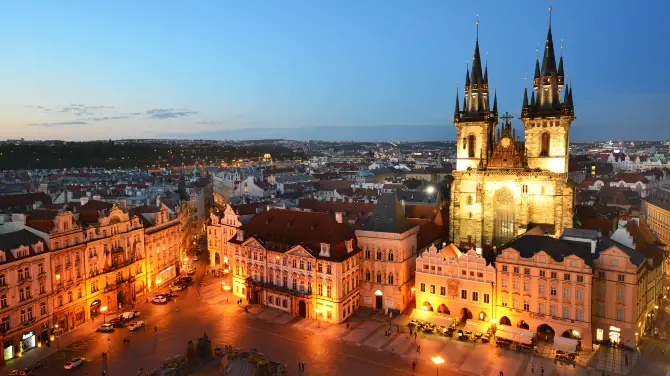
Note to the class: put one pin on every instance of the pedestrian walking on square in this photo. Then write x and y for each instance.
(414, 336)
(542, 370)
(532, 368)
(347, 324)
(501, 373)
(418, 349)
(413, 365)
(303, 366)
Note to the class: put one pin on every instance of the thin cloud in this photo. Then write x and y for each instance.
(59, 124)
(168, 113)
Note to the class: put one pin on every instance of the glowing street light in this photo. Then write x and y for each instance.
(430, 189)
(437, 360)
(103, 309)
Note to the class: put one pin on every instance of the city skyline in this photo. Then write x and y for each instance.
(142, 71)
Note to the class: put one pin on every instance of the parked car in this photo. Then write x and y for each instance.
(135, 324)
(136, 313)
(17, 372)
(105, 328)
(176, 287)
(74, 363)
(159, 299)
(117, 323)
(186, 278)
(126, 316)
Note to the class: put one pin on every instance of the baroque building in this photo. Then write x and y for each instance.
(302, 263)
(503, 185)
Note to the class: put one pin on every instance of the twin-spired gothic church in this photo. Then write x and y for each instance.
(502, 185)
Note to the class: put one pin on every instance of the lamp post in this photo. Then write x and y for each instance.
(437, 360)
(318, 312)
(103, 309)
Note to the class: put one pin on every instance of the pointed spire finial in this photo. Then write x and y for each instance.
(561, 47)
(550, 9)
(477, 22)
(537, 50)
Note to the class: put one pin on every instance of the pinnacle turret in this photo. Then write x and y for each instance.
(525, 98)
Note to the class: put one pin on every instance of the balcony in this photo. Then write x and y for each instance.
(117, 266)
(68, 265)
(25, 279)
(41, 275)
(29, 322)
(117, 250)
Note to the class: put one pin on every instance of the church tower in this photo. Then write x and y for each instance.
(547, 117)
(476, 121)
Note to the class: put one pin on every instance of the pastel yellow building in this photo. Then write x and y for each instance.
(454, 283)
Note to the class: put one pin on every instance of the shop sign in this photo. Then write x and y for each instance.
(27, 335)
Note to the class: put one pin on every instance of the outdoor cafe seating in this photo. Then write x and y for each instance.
(566, 348)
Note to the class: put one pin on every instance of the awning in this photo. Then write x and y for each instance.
(516, 331)
(477, 327)
(441, 320)
(505, 335)
(431, 317)
(568, 345)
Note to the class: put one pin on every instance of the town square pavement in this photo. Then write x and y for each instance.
(327, 349)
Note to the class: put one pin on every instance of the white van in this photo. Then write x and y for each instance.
(126, 315)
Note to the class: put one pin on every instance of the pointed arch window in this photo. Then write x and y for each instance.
(379, 277)
(544, 147)
(379, 254)
(390, 257)
(471, 146)
(367, 275)
(390, 278)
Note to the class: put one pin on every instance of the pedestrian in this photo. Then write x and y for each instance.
(397, 327)
(413, 365)
(626, 360)
(347, 324)
(542, 370)
(415, 336)
(418, 349)
(155, 329)
(303, 366)
(532, 368)
(410, 331)
(501, 373)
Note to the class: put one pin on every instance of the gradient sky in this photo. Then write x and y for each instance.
(141, 69)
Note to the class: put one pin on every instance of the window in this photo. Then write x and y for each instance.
(503, 301)
(554, 275)
(422, 287)
(619, 314)
(601, 275)
(540, 289)
(613, 262)
(544, 140)
(622, 278)
(379, 277)
(543, 273)
(329, 269)
(515, 284)
(3, 301)
(487, 298)
(566, 312)
(329, 291)
(566, 293)
(390, 278)
(471, 146)
(552, 309)
(504, 283)
(526, 286)
(379, 254)
(443, 290)
(390, 257)
(526, 305)
(579, 294)
(464, 294)
(600, 309)
(553, 291)
(566, 277)
(526, 271)
(319, 268)
(580, 279)
(579, 314)
(515, 302)
(295, 284)
(516, 270)
(319, 289)
(302, 264)
(504, 268)
(43, 307)
(540, 308)
(620, 294)
(2, 280)
(293, 262)
(464, 272)
(475, 296)
(432, 289)
(601, 291)
(367, 275)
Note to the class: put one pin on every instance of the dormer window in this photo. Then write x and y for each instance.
(325, 250)
(350, 245)
(240, 235)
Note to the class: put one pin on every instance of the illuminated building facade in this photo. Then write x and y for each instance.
(501, 184)
(454, 283)
(303, 263)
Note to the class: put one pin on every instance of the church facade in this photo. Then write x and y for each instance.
(502, 185)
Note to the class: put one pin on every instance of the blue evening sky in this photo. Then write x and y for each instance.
(142, 68)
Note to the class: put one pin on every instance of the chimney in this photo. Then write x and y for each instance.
(338, 217)
(593, 246)
(402, 203)
(83, 200)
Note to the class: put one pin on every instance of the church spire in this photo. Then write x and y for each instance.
(525, 98)
(457, 108)
(495, 103)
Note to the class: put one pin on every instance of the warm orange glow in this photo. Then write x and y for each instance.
(57, 277)
(226, 288)
(52, 338)
(103, 308)
(185, 258)
(424, 308)
(437, 360)
(495, 321)
(158, 281)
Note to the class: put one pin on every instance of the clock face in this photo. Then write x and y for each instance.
(505, 142)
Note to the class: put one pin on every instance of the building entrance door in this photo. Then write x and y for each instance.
(302, 309)
(378, 302)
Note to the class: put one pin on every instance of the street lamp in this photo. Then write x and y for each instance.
(103, 309)
(437, 360)
(318, 312)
